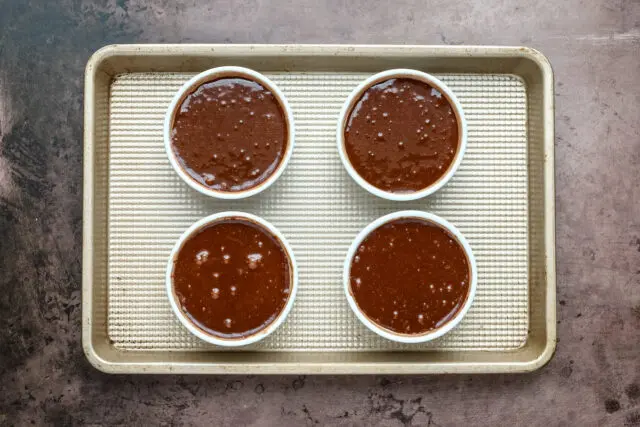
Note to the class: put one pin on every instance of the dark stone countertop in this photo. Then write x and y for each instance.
(594, 378)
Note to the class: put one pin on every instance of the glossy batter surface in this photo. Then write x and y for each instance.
(230, 134)
(410, 276)
(232, 278)
(402, 135)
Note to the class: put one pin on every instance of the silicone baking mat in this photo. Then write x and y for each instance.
(319, 209)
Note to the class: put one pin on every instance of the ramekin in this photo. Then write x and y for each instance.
(434, 333)
(215, 74)
(173, 300)
(355, 96)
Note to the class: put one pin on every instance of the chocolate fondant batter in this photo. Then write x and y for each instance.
(230, 134)
(402, 135)
(232, 278)
(410, 276)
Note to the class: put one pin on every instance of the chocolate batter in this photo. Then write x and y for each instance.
(232, 279)
(230, 134)
(410, 276)
(402, 135)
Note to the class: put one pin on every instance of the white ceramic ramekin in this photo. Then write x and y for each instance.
(410, 338)
(173, 300)
(355, 96)
(215, 74)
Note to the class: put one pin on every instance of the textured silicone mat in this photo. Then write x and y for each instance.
(317, 206)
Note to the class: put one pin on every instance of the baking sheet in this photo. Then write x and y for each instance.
(501, 198)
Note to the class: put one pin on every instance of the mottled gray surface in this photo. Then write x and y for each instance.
(594, 378)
